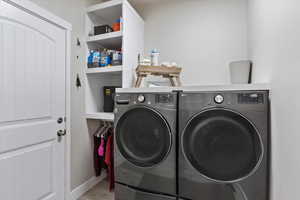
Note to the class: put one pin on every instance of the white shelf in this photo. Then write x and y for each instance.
(101, 116)
(101, 70)
(106, 12)
(111, 40)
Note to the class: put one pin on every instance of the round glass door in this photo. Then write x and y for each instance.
(222, 145)
(143, 136)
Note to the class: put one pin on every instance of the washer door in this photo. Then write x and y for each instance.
(222, 145)
(143, 137)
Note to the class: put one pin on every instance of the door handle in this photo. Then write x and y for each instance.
(60, 120)
(61, 133)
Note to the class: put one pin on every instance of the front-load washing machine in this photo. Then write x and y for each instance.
(224, 145)
(145, 150)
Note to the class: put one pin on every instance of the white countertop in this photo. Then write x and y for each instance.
(200, 88)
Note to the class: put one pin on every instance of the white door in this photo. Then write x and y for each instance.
(32, 98)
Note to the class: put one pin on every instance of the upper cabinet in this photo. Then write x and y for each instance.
(128, 39)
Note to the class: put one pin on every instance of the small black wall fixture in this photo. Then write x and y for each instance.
(78, 81)
(78, 43)
(250, 72)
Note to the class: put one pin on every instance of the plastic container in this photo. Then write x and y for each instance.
(116, 58)
(94, 59)
(105, 59)
(240, 72)
(117, 25)
(90, 59)
(155, 57)
(98, 30)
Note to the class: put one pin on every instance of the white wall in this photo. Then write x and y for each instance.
(82, 150)
(275, 49)
(202, 36)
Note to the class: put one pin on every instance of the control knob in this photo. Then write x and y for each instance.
(219, 99)
(141, 98)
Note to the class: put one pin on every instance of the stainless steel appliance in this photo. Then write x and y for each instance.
(224, 145)
(145, 150)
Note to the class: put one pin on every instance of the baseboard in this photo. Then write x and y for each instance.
(86, 186)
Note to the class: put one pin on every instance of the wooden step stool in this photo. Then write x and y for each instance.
(170, 73)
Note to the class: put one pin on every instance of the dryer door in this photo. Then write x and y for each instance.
(222, 145)
(143, 136)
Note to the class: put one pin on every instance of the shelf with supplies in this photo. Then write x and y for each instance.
(102, 70)
(112, 40)
(101, 116)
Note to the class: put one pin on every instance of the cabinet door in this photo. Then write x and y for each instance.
(32, 98)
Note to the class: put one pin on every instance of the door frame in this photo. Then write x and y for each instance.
(45, 15)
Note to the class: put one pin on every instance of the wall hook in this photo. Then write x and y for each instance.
(78, 81)
(78, 42)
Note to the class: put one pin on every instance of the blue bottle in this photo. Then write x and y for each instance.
(90, 59)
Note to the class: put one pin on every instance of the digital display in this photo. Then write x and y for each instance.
(251, 98)
(164, 98)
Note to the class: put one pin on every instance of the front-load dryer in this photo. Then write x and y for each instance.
(224, 145)
(145, 137)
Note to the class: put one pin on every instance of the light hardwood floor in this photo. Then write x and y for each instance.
(99, 192)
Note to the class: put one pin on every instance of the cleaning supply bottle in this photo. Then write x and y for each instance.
(154, 57)
(96, 58)
(104, 56)
(90, 59)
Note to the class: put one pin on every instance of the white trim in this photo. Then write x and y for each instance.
(40, 12)
(83, 188)
(68, 118)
